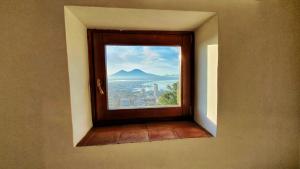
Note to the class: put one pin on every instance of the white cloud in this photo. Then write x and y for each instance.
(145, 58)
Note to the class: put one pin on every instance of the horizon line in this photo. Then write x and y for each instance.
(142, 71)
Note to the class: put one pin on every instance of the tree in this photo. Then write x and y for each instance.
(169, 97)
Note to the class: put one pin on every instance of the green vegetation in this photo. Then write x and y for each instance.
(170, 96)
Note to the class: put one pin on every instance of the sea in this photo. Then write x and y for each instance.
(138, 85)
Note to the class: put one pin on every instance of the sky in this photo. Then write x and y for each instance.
(160, 60)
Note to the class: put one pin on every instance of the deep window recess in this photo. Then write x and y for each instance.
(140, 75)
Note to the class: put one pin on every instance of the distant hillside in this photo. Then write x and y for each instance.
(137, 74)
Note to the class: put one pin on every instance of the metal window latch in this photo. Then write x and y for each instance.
(99, 85)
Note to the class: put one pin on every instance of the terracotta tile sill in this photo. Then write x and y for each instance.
(144, 132)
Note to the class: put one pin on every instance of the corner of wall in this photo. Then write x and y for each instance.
(206, 74)
(77, 51)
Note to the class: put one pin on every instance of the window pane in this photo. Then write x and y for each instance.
(143, 76)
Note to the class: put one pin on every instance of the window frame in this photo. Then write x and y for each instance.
(97, 39)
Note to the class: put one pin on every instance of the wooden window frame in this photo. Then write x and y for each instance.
(97, 39)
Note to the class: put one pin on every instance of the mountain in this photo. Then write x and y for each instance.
(137, 74)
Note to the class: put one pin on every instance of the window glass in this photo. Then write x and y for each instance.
(143, 76)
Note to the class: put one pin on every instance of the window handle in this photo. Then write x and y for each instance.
(99, 85)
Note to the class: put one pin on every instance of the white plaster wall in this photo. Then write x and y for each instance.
(77, 50)
(206, 75)
(139, 19)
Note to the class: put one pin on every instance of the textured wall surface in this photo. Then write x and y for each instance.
(258, 91)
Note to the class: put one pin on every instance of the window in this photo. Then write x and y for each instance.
(140, 75)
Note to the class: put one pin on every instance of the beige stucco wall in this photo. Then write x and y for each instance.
(78, 68)
(258, 91)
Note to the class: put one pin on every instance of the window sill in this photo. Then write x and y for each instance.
(143, 132)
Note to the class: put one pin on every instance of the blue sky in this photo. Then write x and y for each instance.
(160, 60)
